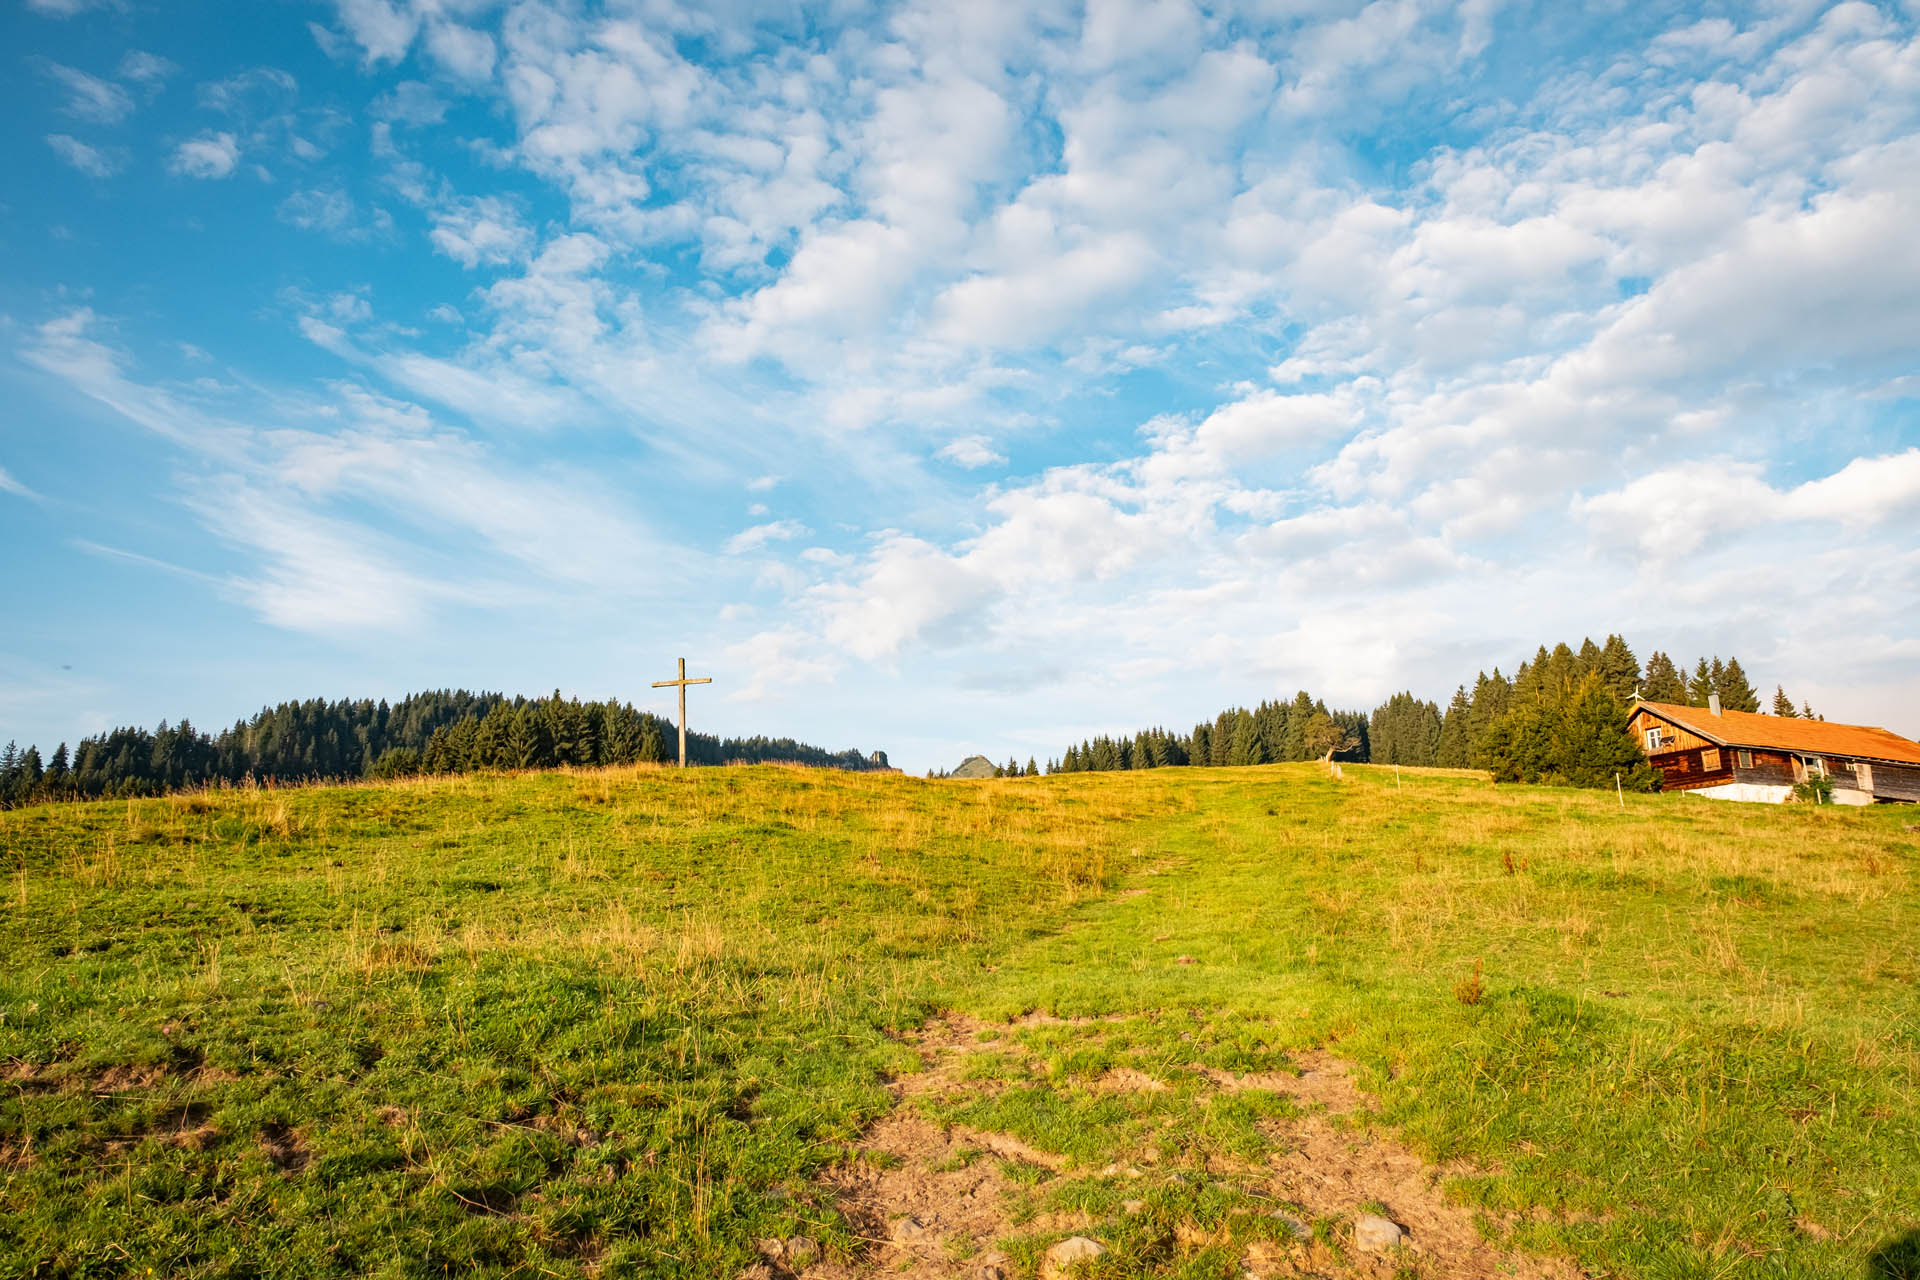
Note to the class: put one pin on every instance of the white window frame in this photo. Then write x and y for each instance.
(1743, 758)
(1653, 740)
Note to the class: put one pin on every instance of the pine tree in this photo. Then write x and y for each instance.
(1619, 669)
(1241, 746)
(1735, 693)
(1456, 744)
(1783, 705)
(653, 743)
(1298, 715)
(1588, 661)
(1590, 742)
(1663, 682)
(1700, 687)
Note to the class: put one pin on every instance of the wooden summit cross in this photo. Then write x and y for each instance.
(682, 682)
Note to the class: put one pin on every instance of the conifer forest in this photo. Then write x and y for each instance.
(445, 731)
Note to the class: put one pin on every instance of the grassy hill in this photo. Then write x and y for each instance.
(633, 1022)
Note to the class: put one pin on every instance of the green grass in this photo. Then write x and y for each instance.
(617, 1023)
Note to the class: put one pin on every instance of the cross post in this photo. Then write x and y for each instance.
(682, 682)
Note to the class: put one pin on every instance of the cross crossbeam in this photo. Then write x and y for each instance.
(682, 682)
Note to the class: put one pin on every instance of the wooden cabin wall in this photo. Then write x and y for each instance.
(1683, 740)
(1769, 769)
(1685, 770)
(1896, 782)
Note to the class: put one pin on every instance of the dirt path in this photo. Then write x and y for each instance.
(929, 1206)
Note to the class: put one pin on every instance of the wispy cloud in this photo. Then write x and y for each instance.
(89, 97)
(209, 155)
(10, 485)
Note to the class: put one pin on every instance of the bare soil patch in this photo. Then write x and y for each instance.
(931, 1202)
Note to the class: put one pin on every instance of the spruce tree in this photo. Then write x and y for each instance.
(1241, 750)
(1619, 669)
(1298, 715)
(1783, 705)
(1587, 662)
(1735, 693)
(1590, 742)
(653, 743)
(1663, 682)
(1701, 685)
(1455, 749)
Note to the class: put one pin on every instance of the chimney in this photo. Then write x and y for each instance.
(1713, 703)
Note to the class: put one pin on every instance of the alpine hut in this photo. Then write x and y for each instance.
(1737, 755)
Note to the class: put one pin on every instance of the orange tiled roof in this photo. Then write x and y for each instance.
(1779, 733)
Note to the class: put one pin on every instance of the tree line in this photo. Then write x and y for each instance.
(1301, 729)
(444, 731)
(1561, 718)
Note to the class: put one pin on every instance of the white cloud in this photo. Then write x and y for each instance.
(294, 495)
(384, 30)
(89, 160)
(462, 51)
(325, 209)
(778, 659)
(1678, 510)
(90, 98)
(260, 89)
(972, 452)
(410, 102)
(483, 229)
(757, 537)
(10, 485)
(210, 155)
(146, 68)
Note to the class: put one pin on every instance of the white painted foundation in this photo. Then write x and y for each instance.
(1758, 793)
(1751, 792)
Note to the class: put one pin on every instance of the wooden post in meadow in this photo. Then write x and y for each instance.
(683, 682)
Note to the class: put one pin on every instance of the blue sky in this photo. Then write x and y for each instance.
(946, 377)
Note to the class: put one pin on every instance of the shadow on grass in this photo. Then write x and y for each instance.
(1897, 1259)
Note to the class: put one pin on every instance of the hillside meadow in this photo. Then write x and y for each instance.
(634, 1022)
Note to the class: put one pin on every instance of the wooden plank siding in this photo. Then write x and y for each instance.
(1682, 739)
(1684, 770)
(1769, 768)
(1896, 782)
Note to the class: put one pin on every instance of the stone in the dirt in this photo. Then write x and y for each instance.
(990, 1272)
(1295, 1228)
(1375, 1234)
(1133, 1206)
(1066, 1253)
(771, 1248)
(802, 1253)
(908, 1230)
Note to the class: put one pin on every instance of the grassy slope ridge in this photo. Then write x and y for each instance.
(615, 1021)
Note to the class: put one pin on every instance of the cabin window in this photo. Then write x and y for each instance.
(1710, 759)
(1653, 741)
(1816, 766)
(1745, 758)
